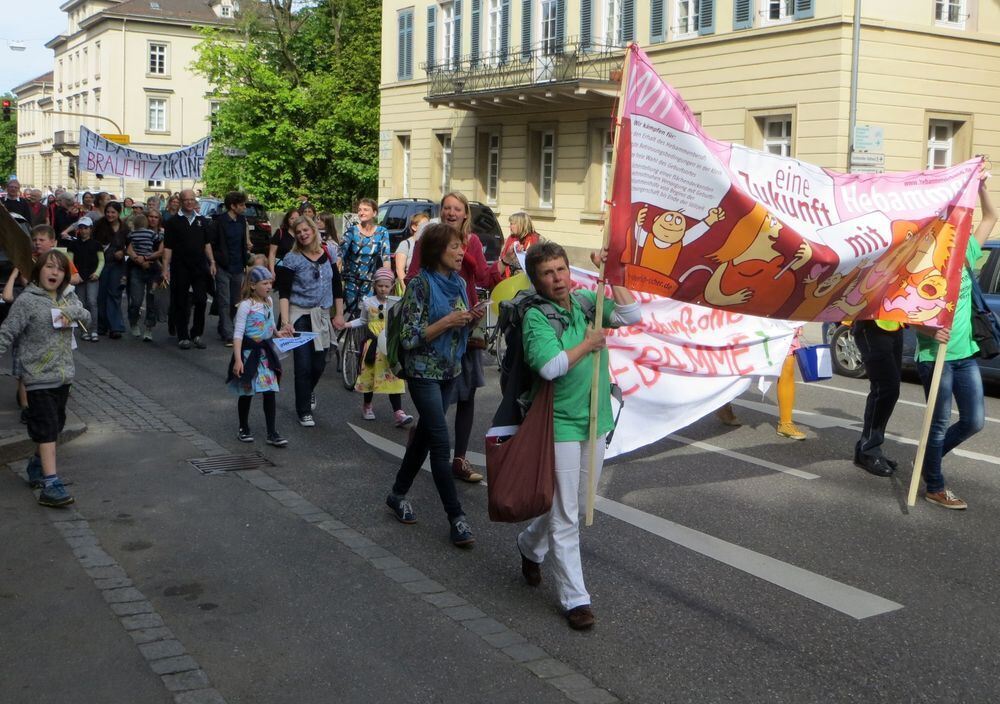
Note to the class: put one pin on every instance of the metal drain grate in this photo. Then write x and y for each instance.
(230, 463)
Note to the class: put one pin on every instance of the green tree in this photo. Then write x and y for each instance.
(299, 92)
(8, 141)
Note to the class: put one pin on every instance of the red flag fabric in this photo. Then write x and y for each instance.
(738, 229)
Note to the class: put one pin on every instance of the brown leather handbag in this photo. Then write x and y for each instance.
(521, 468)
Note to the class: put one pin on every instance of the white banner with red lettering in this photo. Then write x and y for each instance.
(682, 361)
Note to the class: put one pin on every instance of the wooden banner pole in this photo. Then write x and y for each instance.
(595, 382)
(932, 394)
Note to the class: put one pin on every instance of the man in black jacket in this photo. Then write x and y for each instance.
(188, 263)
(230, 244)
(13, 201)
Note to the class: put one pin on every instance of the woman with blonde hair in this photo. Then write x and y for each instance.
(311, 299)
(455, 211)
(522, 236)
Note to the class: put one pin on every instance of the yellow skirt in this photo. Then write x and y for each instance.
(378, 378)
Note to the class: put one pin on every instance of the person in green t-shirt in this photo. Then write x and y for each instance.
(960, 377)
(566, 361)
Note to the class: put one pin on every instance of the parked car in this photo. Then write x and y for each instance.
(256, 215)
(847, 358)
(394, 215)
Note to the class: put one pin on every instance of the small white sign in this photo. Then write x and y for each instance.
(867, 159)
(868, 138)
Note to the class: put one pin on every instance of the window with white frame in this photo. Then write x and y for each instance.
(549, 34)
(156, 114)
(158, 59)
(775, 11)
(494, 30)
(493, 169)
(778, 135)
(940, 144)
(85, 64)
(547, 168)
(445, 144)
(607, 155)
(448, 35)
(79, 69)
(97, 102)
(154, 184)
(613, 35)
(227, 11)
(686, 12)
(213, 109)
(97, 59)
(404, 166)
(950, 13)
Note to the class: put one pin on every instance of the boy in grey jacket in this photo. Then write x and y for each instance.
(40, 320)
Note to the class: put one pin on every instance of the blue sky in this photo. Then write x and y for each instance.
(34, 22)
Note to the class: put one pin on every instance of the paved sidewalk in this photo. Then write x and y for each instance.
(163, 584)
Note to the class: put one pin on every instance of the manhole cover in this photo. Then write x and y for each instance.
(230, 463)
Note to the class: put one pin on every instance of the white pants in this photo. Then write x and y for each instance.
(558, 530)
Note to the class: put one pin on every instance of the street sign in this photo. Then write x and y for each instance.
(117, 138)
(867, 159)
(868, 138)
(867, 170)
(234, 151)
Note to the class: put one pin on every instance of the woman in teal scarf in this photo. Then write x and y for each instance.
(436, 322)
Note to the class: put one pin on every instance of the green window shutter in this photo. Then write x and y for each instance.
(657, 22)
(474, 48)
(805, 9)
(456, 54)
(404, 67)
(706, 17)
(431, 36)
(586, 24)
(504, 30)
(526, 29)
(743, 14)
(628, 21)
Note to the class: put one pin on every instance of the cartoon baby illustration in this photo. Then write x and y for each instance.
(925, 286)
(751, 269)
(670, 233)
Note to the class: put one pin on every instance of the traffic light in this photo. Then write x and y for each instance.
(72, 170)
(6, 110)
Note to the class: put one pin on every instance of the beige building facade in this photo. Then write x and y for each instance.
(128, 64)
(510, 101)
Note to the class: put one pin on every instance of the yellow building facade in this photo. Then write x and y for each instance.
(128, 64)
(510, 101)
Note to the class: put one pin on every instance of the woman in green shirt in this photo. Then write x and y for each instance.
(960, 377)
(558, 358)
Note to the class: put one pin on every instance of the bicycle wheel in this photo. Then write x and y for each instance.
(350, 357)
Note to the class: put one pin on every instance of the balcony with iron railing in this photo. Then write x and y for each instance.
(549, 71)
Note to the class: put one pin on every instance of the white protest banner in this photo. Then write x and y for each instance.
(682, 361)
(100, 156)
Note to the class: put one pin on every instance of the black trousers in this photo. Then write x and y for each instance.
(188, 285)
(882, 353)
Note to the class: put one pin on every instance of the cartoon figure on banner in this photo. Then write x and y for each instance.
(659, 253)
(751, 270)
(925, 286)
(819, 291)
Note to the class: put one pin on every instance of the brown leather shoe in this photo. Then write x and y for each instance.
(461, 468)
(580, 618)
(532, 571)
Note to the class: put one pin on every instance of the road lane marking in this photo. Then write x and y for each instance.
(823, 590)
(708, 447)
(840, 597)
(814, 385)
(820, 421)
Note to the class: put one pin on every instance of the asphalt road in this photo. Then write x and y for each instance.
(745, 567)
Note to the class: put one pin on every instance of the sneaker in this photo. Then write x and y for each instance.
(55, 495)
(312, 402)
(461, 469)
(879, 466)
(114, 335)
(727, 416)
(244, 435)
(461, 533)
(36, 480)
(367, 412)
(306, 421)
(94, 337)
(136, 332)
(198, 343)
(184, 344)
(401, 508)
(276, 440)
(788, 430)
(403, 418)
(946, 499)
(148, 336)
(580, 618)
